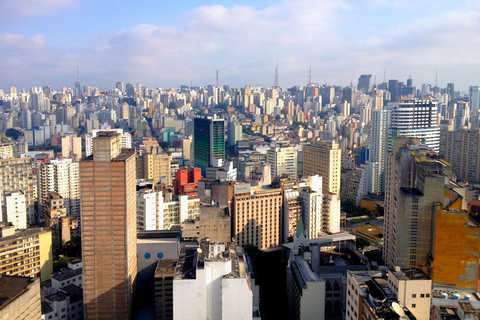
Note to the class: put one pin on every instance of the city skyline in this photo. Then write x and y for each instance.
(159, 45)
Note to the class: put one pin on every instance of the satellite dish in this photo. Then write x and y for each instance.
(199, 250)
(398, 309)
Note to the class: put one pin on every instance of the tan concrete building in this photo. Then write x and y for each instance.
(20, 298)
(461, 148)
(56, 220)
(164, 273)
(25, 252)
(109, 245)
(257, 218)
(6, 150)
(17, 174)
(282, 161)
(157, 168)
(323, 158)
(213, 222)
(71, 145)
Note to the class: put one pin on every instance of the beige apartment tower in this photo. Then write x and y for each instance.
(323, 158)
(108, 202)
(157, 168)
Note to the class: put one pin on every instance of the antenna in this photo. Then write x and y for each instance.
(384, 76)
(275, 81)
(310, 75)
(217, 79)
(436, 77)
(78, 75)
(351, 80)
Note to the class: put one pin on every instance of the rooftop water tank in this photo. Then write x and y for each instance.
(444, 295)
(467, 297)
(456, 296)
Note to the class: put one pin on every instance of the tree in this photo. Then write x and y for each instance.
(13, 133)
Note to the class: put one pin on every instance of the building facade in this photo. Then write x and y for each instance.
(323, 158)
(208, 141)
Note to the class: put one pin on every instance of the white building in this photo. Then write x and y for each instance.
(60, 176)
(126, 139)
(214, 284)
(378, 151)
(158, 212)
(415, 119)
(14, 209)
(282, 161)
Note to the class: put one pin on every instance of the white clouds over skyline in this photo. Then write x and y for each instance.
(244, 43)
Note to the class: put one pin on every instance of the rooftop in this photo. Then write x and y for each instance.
(410, 274)
(66, 273)
(75, 292)
(23, 233)
(413, 192)
(13, 286)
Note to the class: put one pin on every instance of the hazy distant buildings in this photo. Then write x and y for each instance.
(365, 83)
(474, 97)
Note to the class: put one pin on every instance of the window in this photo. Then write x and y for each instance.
(414, 305)
(427, 295)
(422, 295)
(414, 295)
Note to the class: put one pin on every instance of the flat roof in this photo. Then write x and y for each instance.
(22, 233)
(411, 192)
(411, 274)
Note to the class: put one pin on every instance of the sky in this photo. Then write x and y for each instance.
(165, 44)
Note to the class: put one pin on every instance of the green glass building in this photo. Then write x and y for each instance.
(208, 141)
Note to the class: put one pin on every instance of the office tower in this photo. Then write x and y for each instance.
(157, 168)
(14, 209)
(461, 148)
(120, 86)
(186, 182)
(108, 203)
(462, 116)
(16, 174)
(130, 89)
(415, 119)
(257, 217)
(208, 141)
(30, 252)
(451, 91)
(350, 95)
(365, 83)
(327, 93)
(214, 280)
(393, 89)
(474, 97)
(20, 297)
(323, 158)
(234, 132)
(61, 176)
(282, 161)
(378, 151)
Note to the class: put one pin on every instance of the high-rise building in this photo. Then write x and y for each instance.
(61, 176)
(17, 174)
(323, 158)
(257, 217)
(157, 168)
(6, 150)
(393, 89)
(126, 139)
(120, 86)
(474, 97)
(365, 83)
(208, 141)
(426, 224)
(461, 148)
(234, 133)
(415, 119)
(14, 209)
(20, 298)
(282, 161)
(109, 241)
(378, 151)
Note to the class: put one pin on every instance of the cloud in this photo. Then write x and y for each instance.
(244, 44)
(15, 9)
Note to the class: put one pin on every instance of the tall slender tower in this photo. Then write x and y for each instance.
(109, 245)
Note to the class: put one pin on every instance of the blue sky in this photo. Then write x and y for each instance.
(166, 44)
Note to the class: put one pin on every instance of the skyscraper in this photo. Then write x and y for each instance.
(323, 158)
(365, 83)
(109, 236)
(393, 89)
(282, 161)
(474, 96)
(415, 119)
(378, 151)
(208, 141)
